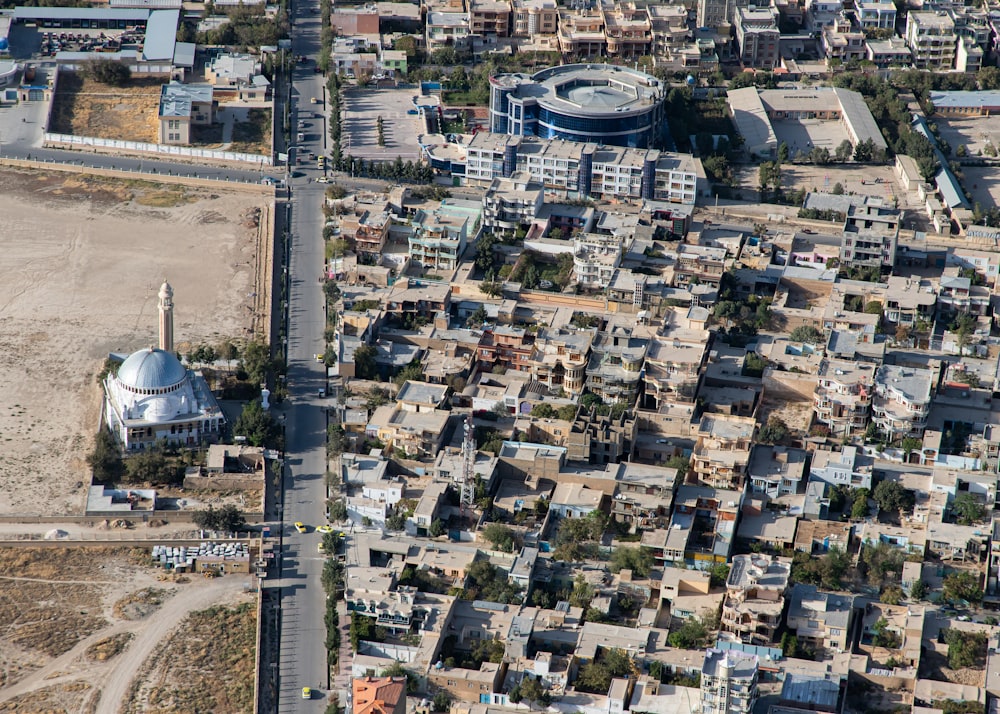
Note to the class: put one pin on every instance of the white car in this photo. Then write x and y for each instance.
(323, 179)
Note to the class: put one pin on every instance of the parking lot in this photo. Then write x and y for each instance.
(362, 107)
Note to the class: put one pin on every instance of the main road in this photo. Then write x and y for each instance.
(302, 656)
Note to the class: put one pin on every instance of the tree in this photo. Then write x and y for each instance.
(638, 560)
(909, 445)
(338, 511)
(859, 509)
(692, 634)
(892, 595)
(582, 593)
(532, 691)
(890, 496)
(149, 466)
(596, 675)
(258, 426)
(567, 412)
(967, 509)
(477, 318)
(257, 362)
(106, 458)
(718, 574)
(806, 333)
(500, 536)
(918, 591)
(108, 71)
(774, 432)
(844, 151)
(966, 649)
(543, 410)
(364, 362)
(782, 152)
(437, 528)
(883, 636)
(228, 518)
(962, 585)
(336, 439)
(988, 78)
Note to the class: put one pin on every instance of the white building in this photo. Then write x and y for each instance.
(874, 14)
(932, 40)
(153, 398)
(728, 682)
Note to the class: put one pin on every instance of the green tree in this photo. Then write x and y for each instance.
(150, 466)
(500, 536)
(967, 509)
(774, 432)
(859, 509)
(338, 511)
(543, 410)
(257, 363)
(567, 412)
(437, 528)
(718, 573)
(477, 318)
(691, 635)
(966, 649)
(258, 426)
(106, 458)
(892, 595)
(638, 560)
(582, 593)
(962, 585)
(918, 591)
(228, 519)
(533, 692)
(108, 71)
(806, 333)
(364, 362)
(441, 701)
(891, 496)
(595, 676)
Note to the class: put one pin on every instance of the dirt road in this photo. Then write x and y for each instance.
(161, 624)
(110, 680)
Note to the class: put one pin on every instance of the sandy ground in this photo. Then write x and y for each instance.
(82, 261)
(94, 685)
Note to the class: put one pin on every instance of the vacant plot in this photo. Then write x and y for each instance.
(974, 133)
(66, 698)
(982, 184)
(205, 665)
(253, 135)
(83, 107)
(82, 260)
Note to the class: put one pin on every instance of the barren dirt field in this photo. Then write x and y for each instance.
(82, 260)
(79, 625)
(88, 108)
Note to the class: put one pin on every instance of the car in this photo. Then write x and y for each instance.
(323, 179)
(317, 70)
(340, 534)
(324, 529)
(321, 393)
(320, 548)
(300, 526)
(307, 693)
(319, 358)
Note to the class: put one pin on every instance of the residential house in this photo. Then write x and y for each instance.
(574, 500)
(722, 452)
(875, 14)
(439, 235)
(530, 18)
(489, 17)
(841, 41)
(699, 264)
(817, 537)
(595, 259)
(755, 597)
(381, 695)
(776, 470)
(702, 528)
(368, 227)
(820, 620)
(628, 30)
(581, 33)
(614, 369)
(674, 365)
(848, 467)
(559, 358)
(843, 397)
(510, 203)
(903, 400)
(418, 434)
(909, 300)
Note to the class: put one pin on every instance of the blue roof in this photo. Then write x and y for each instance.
(161, 35)
(151, 369)
(964, 99)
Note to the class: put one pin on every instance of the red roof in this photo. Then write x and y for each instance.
(379, 695)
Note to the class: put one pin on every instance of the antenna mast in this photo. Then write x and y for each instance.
(468, 481)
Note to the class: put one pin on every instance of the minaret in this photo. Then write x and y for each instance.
(166, 317)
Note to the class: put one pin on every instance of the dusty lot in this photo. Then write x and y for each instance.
(82, 261)
(806, 134)
(974, 132)
(79, 624)
(87, 108)
(981, 182)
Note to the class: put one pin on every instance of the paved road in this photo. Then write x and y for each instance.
(303, 634)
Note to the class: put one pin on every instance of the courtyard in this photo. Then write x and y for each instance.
(362, 107)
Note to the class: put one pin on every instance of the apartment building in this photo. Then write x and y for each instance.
(489, 18)
(903, 400)
(755, 597)
(820, 620)
(757, 36)
(909, 300)
(728, 682)
(957, 294)
(447, 28)
(842, 400)
(888, 53)
(416, 433)
(559, 358)
(932, 40)
(570, 169)
(668, 28)
(596, 257)
(699, 264)
(369, 229)
(614, 369)
(875, 14)
(530, 18)
(581, 33)
(505, 346)
(722, 451)
(715, 13)
(511, 202)
(628, 30)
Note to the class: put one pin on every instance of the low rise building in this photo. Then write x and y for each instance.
(820, 620)
(776, 471)
(614, 369)
(932, 40)
(843, 397)
(847, 467)
(902, 400)
(722, 452)
(757, 35)
(510, 203)
(755, 598)
(728, 682)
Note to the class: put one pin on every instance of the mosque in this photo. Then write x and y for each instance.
(154, 398)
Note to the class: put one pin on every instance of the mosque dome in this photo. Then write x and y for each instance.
(151, 369)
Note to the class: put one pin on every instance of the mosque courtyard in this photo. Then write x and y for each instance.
(82, 260)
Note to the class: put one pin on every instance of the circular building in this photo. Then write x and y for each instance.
(598, 103)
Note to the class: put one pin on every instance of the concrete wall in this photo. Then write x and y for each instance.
(790, 386)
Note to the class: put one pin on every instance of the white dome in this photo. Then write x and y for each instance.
(151, 369)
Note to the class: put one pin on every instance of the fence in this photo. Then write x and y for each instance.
(141, 147)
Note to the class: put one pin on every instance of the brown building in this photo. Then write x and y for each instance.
(354, 21)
